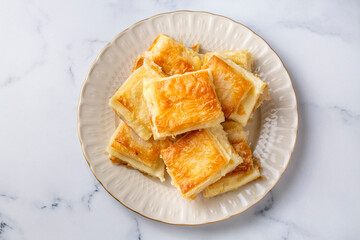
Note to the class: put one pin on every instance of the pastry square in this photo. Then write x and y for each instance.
(182, 103)
(129, 103)
(241, 57)
(127, 148)
(245, 172)
(172, 56)
(238, 90)
(199, 159)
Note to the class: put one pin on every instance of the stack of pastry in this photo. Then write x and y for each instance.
(185, 111)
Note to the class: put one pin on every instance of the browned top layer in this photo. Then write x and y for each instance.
(243, 149)
(237, 139)
(172, 56)
(185, 101)
(192, 159)
(230, 85)
(129, 143)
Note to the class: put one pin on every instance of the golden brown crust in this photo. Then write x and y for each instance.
(257, 164)
(126, 141)
(238, 140)
(115, 160)
(126, 102)
(192, 160)
(196, 47)
(247, 171)
(173, 57)
(231, 87)
(233, 182)
(243, 149)
(241, 110)
(185, 101)
(241, 57)
(129, 103)
(139, 61)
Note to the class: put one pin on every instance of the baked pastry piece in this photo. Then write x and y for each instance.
(127, 148)
(182, 103)
(238, 90)
(199, 159)
(129, 103)
(245, 172)
(172, 56)
(241, 57)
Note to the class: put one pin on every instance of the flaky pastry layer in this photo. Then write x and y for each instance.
(126, 146)
(241, 57)
(182, 103)
(199, 159)
(172, 56)
(230, 85)
(231, 183)
(245, 171)
(251, 100)
(129, 103)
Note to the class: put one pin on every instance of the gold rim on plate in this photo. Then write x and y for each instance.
(185, 11)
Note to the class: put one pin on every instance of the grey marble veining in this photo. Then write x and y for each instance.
(46, 188)
(87, 199)
(139, 237)
(9, 228)
(7, 197)
(290, 226)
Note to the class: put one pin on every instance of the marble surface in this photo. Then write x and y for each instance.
(47, 190)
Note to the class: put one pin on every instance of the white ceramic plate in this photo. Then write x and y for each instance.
(273, 128)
